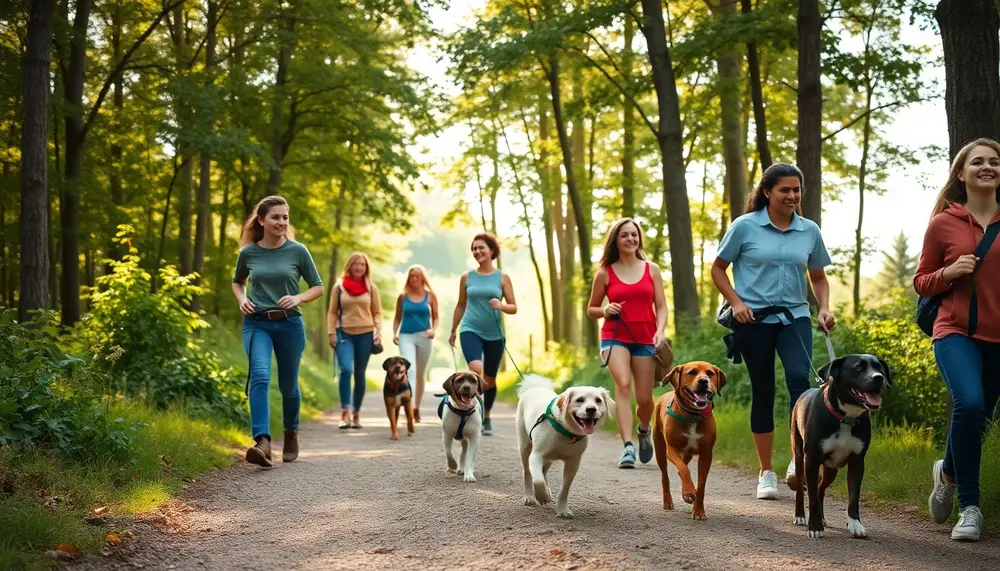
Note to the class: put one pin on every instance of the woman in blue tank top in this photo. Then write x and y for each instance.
(414, 325)
(482, 294)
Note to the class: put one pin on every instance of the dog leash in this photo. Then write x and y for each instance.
(496, 317)
(776, 309)
(619, 321)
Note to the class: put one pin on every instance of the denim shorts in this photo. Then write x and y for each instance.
(634, 349)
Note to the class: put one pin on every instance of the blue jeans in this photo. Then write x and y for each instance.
(353, 352)
(287, 339)
(634, 349)
(758, 343)
(971, 370)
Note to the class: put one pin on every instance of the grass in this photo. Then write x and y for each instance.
(45, 499)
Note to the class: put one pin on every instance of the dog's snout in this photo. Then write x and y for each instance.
(591, 409)
(703, 381)
(878, 377)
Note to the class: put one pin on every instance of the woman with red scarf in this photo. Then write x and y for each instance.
(354, 322)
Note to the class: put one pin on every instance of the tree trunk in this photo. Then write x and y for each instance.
(69, 211)
(969, 31)
(809, 153)
(551, 189)
(223, 222)
(757, 93)
(279, 119)
(186, 121)
(333, 272)
(733, 141)
(34, 162)
(628, 126)
(205, 168)
(115, 250)
(862, 173)
(578, 135)
(671, 142)
(570, 332)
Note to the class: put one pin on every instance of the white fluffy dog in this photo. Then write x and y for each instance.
(554, 427)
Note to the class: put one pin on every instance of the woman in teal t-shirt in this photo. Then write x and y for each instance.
(481, 296)
(274, 263)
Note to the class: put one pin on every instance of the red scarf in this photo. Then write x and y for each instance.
(353, 286)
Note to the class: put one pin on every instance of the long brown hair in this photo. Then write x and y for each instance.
(491, 242)
(253, 231)
(954, 189)
(611, 254)
(758, 198)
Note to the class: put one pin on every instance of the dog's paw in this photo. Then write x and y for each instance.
(469, 477)
(410, 433)
(856, 529)
(565, 513)
(699, 516)
(800, 520)
(530, 500)
(668, 504)
(393, 437)
(817, 534)
(452, 465)
(542, 493)
(689, 497)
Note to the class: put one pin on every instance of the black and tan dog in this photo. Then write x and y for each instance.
(397, 394)
(830, 429)
(686, 428)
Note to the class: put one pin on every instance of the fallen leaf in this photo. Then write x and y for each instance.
(99, 511)
(166, 463)
(113, 538)
(67, 551)
(556, 552)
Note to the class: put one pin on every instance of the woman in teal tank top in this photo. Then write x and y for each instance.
(414, 326)
(482, 294)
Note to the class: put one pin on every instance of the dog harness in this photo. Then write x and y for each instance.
(464, 414)
(690, 416)
(549, 416)
(843, 418)
(393, 388)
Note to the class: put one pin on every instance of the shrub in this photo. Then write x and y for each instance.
(45, 399)
(147, 340)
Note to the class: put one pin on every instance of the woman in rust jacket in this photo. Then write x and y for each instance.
(967, 351)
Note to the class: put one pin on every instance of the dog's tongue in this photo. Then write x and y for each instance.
(871, 399)
(588, 425)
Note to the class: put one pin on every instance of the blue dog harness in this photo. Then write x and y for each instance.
(464, 414)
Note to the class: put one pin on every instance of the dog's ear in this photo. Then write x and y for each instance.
(562, 403)
(885, 369)
(385, 364)
(722, 380)
(609, 403)
(480, 384)
(405, 362)
(673, 378)
(830, 370)
(447, 386)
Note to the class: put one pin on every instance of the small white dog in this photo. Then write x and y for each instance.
(461, 417)
(554, 427)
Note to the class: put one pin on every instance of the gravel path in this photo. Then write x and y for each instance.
(354, 499)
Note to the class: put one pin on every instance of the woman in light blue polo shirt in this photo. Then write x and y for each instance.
(771, 248)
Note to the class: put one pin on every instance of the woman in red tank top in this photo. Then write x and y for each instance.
(634, 320)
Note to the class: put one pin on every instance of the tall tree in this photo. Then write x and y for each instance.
(969, 35)
(898, 265)
(628, 125)
(809, 152)
(34, 161)
(757, 96)
(204, 197)
(670, 137)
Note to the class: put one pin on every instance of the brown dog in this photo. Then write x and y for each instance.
(686, 428)
(397, 394)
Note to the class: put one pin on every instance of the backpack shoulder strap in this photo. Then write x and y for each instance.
(988, 238)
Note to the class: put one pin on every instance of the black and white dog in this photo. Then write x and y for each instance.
(830, 429)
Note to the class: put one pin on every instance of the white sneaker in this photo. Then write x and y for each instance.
(942, 498)
(767, 486)
(969, 525)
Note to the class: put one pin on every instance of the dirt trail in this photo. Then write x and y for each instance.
(354, 500)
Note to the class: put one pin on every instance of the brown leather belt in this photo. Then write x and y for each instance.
(275, 315)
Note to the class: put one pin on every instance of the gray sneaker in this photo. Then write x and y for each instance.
(627, 459)
(969, 525)
(645, 444)
(487, 427)
(942, 498)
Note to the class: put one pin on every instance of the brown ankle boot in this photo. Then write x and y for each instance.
(260, 453)
(290, 450)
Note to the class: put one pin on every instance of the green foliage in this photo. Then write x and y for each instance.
(147, 340)
(45, 399)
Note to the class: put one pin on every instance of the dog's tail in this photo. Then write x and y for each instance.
(533, 382)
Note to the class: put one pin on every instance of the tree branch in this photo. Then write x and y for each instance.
(623, 91)
(852, 122)
(116, 72)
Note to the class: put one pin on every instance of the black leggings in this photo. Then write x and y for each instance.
(758, 343)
